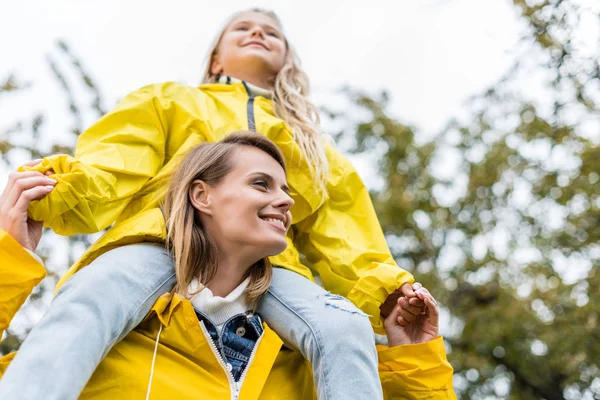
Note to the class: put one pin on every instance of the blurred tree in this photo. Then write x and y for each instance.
(30, 136)
(500, 215)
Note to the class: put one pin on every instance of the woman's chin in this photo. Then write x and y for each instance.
(277, 248)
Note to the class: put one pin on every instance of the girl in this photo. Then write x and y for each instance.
(213, 346)
(119, 174)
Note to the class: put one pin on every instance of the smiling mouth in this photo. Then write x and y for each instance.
(276, 223)
(256, 44)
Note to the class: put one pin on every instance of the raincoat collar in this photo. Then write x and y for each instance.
(253, 89)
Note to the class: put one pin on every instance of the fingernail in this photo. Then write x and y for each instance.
(417, 286)
(49, 187)
(51, 180)
(37, 160)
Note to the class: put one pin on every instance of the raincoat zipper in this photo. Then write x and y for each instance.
(243, 376)
(250, 108)
(235, 392)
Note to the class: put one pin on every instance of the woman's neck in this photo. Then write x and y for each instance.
(231, 272)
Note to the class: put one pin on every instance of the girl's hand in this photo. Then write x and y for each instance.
(21, 189)
(413, 306)
(420, 330)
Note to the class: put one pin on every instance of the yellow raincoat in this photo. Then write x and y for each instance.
(187, 367)
(122, 164)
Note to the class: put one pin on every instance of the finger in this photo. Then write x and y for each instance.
(408, 316)
(24, 182)
(49, 172)
(423, 292)
(416, 301)
(403, 302)
(432, 311)
(32, 163)
(27, 196)
(12, 178)
(407, 290)
(401, 321)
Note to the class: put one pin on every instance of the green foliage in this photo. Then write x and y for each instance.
(508, 238)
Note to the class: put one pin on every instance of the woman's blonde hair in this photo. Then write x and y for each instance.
(193, 249)
(290, 97)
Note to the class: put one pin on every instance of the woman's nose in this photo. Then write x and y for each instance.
(257, 31)
(284, 201)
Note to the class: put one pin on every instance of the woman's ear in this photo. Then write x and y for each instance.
(200, 196)
(215, 67)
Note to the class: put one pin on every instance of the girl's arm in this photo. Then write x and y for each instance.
(114, 158)
(345, 244)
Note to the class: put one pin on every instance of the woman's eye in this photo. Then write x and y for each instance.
(272, 34)
(241, 28)
(262, 184)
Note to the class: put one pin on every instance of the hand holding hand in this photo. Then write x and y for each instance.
(403, 327)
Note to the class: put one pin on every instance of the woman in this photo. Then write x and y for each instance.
(181, 350)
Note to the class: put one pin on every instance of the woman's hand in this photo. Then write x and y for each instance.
(21, 189)
(403, 327)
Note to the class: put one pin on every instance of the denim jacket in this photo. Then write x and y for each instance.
(237, 339)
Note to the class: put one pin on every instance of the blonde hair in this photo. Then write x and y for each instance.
(193, 249)
(290, 97)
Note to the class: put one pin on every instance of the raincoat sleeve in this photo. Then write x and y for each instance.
(345, 244)
(113, 159)
(417, 371)
(20, 272)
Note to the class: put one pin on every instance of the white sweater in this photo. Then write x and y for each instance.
(220, 309)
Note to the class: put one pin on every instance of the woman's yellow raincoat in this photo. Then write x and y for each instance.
(122, 164)
(187, 367)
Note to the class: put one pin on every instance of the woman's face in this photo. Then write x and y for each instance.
(251, 43)
(249, 210)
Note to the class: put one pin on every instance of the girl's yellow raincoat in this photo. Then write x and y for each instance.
(186, 367)
(122, 164)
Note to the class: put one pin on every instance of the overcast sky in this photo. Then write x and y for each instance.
(429, 54)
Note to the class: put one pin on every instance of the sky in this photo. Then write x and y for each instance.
(430, 55)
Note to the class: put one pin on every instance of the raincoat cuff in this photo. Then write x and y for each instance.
(370, 292)
(19, 274)
(416, 370)
(38, 258)
(434, 349)
(19, 258)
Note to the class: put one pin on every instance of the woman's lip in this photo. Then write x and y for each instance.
(256, 44)
(276, 225)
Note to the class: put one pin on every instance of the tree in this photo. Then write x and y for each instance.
(506, 233)
(28, 136)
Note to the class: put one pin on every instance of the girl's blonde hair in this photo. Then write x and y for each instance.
(290, 97)
(193, 249)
